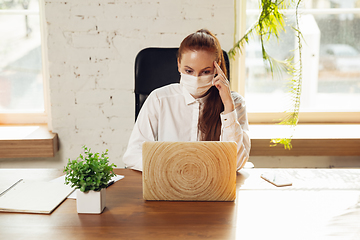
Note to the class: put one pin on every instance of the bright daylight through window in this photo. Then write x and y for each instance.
(21, 81)
(331, 59)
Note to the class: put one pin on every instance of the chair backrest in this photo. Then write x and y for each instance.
(157, 67)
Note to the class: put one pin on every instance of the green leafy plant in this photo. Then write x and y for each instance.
(90, 171)
(270, 22)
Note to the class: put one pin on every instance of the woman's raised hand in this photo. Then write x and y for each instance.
(223, 85)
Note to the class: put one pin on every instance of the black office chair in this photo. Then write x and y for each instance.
(157, 67)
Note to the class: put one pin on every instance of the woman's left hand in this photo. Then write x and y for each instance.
(223, 85)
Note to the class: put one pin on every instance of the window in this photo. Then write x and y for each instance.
(21, 66)
(331, 64)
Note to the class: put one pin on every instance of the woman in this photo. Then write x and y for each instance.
(200, 108)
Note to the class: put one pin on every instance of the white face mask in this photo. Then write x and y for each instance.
(196, 86)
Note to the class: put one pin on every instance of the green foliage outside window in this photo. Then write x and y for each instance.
(270, 23)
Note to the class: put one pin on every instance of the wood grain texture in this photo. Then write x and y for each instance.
(126, 215)
(189, 171)
(307, 147)
(38, 142)
(308, 140)
(260, 213)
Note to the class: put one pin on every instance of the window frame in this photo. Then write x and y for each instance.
(238, 72)
(33, 117)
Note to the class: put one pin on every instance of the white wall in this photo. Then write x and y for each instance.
(92, 45)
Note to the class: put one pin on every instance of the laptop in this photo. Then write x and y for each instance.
(189, 171)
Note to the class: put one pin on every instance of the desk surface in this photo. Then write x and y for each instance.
(257, 213)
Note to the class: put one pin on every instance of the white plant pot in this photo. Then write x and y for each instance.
(91, 201)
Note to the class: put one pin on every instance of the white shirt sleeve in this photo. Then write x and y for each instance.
(145, 129)
(235, 127)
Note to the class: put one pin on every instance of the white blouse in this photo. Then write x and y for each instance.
(170, 113)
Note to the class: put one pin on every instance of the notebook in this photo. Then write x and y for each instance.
(189, 171)
(34, 197)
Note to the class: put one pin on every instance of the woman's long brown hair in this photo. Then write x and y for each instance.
(209, 121)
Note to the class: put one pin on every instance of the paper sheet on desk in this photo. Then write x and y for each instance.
(73, 194)
(34, 197)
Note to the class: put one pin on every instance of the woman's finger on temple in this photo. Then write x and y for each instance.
(219, 70)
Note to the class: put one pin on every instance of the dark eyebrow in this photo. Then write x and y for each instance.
(189, 67)
(206, 68)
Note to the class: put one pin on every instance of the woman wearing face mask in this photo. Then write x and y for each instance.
(200, 108)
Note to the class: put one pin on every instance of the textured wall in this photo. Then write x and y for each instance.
(92, 45)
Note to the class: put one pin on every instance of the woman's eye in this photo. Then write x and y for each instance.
(206, 72)
(188, 71)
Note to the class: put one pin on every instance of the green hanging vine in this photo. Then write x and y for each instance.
(270, 23)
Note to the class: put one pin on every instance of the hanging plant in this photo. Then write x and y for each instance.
(270, 23)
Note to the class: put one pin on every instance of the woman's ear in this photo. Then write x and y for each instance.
(179, 65)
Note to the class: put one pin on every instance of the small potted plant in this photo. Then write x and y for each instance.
(89, 174)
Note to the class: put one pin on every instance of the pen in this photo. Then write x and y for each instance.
(110, 183)
(10, 187)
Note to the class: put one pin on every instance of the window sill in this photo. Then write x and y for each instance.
(27, 141)
(308, 140)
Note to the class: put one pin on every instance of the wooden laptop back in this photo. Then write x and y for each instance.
(189, 171)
